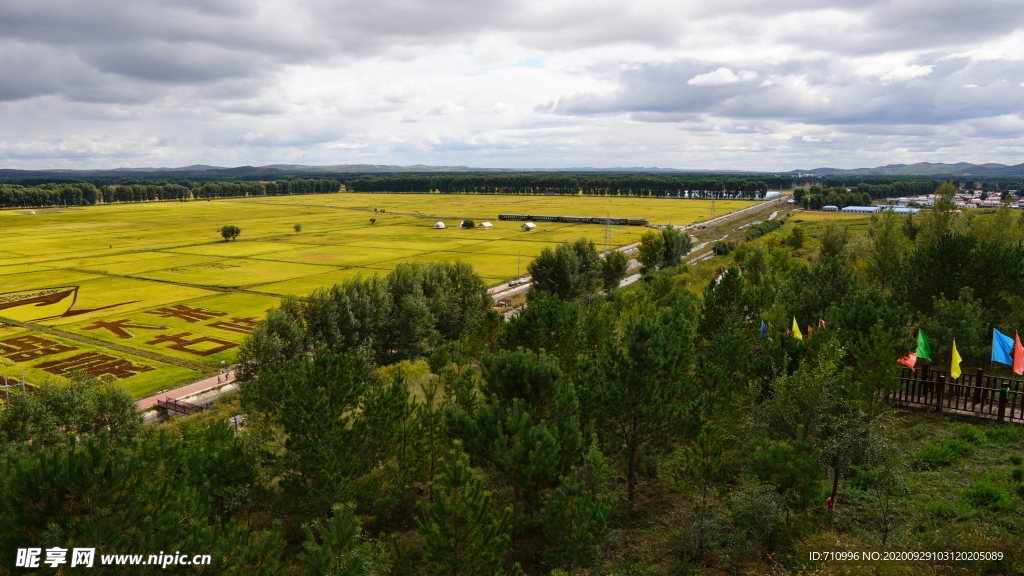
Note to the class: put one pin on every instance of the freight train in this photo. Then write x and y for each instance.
(577, 219)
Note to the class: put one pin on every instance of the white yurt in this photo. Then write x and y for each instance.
(439, 225)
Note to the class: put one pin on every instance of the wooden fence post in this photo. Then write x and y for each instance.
(978, 383)
(1003, 395)
(939, 385)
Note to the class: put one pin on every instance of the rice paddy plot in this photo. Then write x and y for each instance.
(303, 286)
(342, 255)
(234, 272)
(41, 357)
(100, 272)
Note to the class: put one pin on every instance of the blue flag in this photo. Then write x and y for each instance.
(764, 327)
(1002, 348)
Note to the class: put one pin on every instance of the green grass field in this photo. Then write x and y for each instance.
(149, 294)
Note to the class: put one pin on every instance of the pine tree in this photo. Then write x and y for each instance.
(638, 385)
(463, 536)
(576, 523)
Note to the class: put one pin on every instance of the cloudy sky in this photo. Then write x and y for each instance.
(741, 84)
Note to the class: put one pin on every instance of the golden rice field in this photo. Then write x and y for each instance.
(150, 295)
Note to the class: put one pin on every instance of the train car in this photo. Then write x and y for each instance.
(638, 222)
(575, 219)
(606, 220)
(537, 218)
(513, 217)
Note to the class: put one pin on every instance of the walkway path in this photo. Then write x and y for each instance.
(201, 386)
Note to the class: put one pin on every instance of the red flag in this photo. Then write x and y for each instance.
(909, 360)
(1018, 355)
(821, 323)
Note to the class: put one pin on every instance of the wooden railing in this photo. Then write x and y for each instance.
(181, 406)
(977, 394)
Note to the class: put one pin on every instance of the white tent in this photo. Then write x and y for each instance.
(486, 225)
(439, 225)
(529, 227)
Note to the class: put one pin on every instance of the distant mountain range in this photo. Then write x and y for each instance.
(960, 169)
(925, 169)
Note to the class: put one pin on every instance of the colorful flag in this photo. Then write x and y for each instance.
(821, 323)
(954, 365)
(810, 331)
(909, 360)
(796, 330)
(1002, 348)
(764, 328)
(924, 349)
(1018, 355)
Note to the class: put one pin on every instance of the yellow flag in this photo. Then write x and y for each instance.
(954, 367)
(796, 330)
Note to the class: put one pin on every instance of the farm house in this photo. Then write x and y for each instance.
(529, 227)
(486, 225)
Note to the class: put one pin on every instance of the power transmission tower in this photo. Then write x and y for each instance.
(608, 232)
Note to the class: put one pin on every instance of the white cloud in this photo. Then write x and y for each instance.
(722, 76)
(904, 73)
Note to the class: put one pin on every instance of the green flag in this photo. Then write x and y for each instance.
(924, 350)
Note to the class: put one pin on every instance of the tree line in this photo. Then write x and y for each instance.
(626, 185)
(84, 194)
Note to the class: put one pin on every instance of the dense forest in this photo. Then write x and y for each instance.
(398, 425)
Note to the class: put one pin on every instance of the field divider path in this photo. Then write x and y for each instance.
(224, 289)
(109, 345)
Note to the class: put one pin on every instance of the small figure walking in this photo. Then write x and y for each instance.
(830, 504)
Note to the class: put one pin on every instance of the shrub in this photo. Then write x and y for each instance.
(944, 453)
(1005, 435)
(1016, 460)
(468, 224)
(985, 495)
(723, 248)
(860, 478)
(758, 230)
(1017, 474)
(942, 510)
(230, 232)
(795, 238)
(967, 433)
(1020, 490)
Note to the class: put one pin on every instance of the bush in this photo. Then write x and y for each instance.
(1020, 490)
(796, 238)
(860, 478)
(967, 433)
(723, 248)
(942, 510)
(230, 232)
(468, 224)
(758, 230)
(944, 453)
(1017, 474)
(1016, 460)
(986, 495)
(1008, 435)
